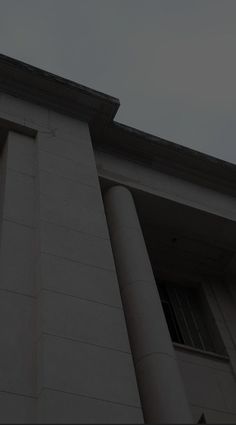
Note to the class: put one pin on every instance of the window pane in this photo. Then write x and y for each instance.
(170, 316)
(187, 318)
(172, 323)
(201, 320)
(176, 302)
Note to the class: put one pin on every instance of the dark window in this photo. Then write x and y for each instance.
(188, 318)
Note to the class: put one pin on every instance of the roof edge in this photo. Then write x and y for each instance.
(165, 156)
(42, 87)
(98, 109)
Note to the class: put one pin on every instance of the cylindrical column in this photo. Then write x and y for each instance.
(160, 385)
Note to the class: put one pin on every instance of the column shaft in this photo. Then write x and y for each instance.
(160, 384)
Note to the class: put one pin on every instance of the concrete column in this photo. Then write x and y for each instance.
(85, 371)
(17, 285)
(160, 385)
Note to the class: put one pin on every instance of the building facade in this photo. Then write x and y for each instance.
(117, 264)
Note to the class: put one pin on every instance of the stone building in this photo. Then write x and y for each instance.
(117, 266)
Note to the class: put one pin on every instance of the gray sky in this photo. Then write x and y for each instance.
(172, 63)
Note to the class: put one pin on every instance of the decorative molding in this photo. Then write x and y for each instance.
(98, 109)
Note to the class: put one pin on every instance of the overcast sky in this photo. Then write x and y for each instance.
(172, 63)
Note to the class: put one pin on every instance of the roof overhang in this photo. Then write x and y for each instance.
(167, 157)
(43, 88)
(98, 109)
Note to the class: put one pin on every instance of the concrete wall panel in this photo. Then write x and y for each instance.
(72, 149)
(17, 352)
(14, 108)
(73, 168)
(21, 153)
(75, 367)
(69, 127)
(77, 246)
(218, 417)
(83, 320)
(16, 261)
(17, 409)
(58, 407)
(80, 280)
(19, 198)
(71, 204)
(209, 382)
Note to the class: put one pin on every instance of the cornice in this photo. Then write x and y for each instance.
(165, 156)
(44, 88)
(98, 109)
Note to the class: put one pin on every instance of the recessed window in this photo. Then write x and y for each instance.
(189, 318)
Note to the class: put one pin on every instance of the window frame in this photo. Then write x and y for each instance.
(216, 347)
